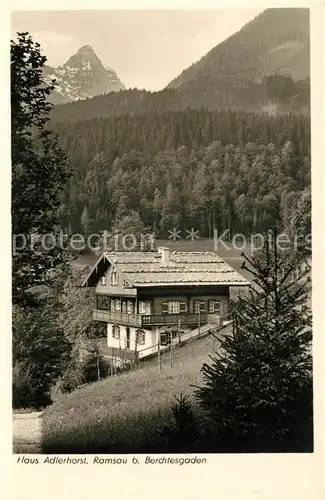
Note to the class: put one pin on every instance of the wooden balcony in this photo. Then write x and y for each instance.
(118, 318)
(191, 320)
(146, 320)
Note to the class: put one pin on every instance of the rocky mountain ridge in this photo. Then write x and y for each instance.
(255, 67)
(83, 76)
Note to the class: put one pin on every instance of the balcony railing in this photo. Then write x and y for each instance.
(143, 320)
(118, 318)
(174, 319)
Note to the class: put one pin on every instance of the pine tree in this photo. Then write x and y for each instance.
(257, 391)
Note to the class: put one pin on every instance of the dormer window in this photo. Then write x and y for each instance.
(103, 280)
(114, 278)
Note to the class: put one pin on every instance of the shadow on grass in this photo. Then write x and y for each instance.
(143, 433)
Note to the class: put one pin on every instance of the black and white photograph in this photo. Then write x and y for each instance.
(161, 234)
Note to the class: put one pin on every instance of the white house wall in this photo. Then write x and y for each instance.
(151, 339)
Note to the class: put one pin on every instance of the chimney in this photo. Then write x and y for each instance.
(164, 251)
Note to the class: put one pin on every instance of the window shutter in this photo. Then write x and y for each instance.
(183, 307)
(114, 278)
(116, 332)
(202, 307)
(164, 308)
(217, 306)
(141, 337)
(142, 307)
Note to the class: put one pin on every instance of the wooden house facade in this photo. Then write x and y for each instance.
(141, 295)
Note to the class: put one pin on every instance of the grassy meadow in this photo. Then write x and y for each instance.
(124, 413)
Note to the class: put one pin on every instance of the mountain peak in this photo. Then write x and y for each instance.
(83, 76)
(86, 48)
(85, 54)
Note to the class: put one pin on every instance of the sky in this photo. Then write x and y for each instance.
(146, 48)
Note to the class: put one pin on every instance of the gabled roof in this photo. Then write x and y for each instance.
(143, 269)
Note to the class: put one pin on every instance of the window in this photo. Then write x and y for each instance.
(167, 336)
(130, 307)
(199, 307)
(141, 337)
(102, 302)
(115, 332)
(213, 306)
(142, 307)
(123, 306)
(196, 306)
(174, 307)
(117, 305)
(103, 280)
(114, 278)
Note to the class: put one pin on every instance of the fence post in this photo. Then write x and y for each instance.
(159, 357)
(136, 346)
(199, 325)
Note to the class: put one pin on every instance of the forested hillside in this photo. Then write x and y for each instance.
(272, 93)
(193, 168)
(275, 42)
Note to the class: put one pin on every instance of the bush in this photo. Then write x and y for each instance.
(71, 379)
(40, 353)
(22, 386)
(82, 372)
(94, 367)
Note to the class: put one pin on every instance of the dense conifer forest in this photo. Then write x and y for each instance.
(193, 168)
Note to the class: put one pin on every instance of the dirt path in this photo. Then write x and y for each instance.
(27, 432)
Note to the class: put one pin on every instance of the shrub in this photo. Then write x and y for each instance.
(80, 372)
(22, 386)
(40, 353)
(71, 379)
(94, 367)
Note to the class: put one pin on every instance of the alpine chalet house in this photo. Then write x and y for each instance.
(145, 297)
